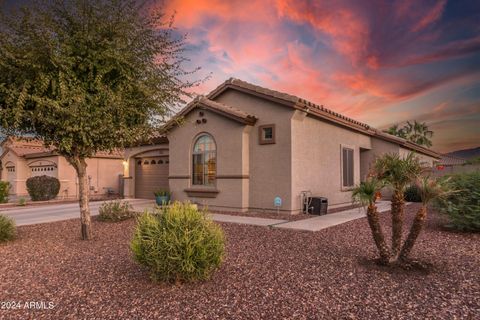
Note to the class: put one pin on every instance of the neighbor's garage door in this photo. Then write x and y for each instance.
(151, 174)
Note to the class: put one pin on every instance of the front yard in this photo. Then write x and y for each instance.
(268, 273)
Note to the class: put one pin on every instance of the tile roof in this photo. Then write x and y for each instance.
(32, 148)
(282, 96)
(217, 107)
(316, 110)
(447, 160)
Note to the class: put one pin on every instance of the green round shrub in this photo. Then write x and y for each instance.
(412, 194)
(178, 243)
(7, 228)
(42, 188)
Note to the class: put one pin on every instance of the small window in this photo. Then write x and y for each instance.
(139, 162)
(145, 162)
(153, 162)
(160, 161)
(347, 167)
(167, 162)
(266, 134)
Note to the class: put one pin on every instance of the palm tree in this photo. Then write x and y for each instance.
(365, 194)
(418, 133)
(430, 189)
(398, 173)
(395, 131)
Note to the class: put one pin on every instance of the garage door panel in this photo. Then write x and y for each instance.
(151, 174)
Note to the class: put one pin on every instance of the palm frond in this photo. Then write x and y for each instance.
(365, 192)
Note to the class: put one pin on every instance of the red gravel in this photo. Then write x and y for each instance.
(268, 274)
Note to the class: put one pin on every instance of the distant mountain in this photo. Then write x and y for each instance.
(466, 153)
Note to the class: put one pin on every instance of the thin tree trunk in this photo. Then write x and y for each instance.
(398, 205)
(377, 233)
(80, 166)
(417, 226)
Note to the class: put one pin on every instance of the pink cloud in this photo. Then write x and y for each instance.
(358, 58)
(348, 31)
(431, 16)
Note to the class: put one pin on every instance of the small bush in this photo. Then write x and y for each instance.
(115, 211)
(42, 188)
(412, 194)
(162, 193)
(22, 202)
(4, 188)
(7, 228)
(178, 243)
(463, 207)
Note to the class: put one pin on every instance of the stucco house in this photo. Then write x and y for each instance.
(23, 158)
(241, 146)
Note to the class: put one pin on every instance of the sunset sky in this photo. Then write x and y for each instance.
(380, 62)
(377, 61)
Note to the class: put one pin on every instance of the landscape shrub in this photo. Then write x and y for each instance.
(4, 188)
(42, 188)
(114, 211)
(22, 202)
(7, 228)
(178, 243)
(412, 194)
(463, 207)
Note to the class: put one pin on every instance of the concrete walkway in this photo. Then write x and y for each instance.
(246, 220)
(333, 219)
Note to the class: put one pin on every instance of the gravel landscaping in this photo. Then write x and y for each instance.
(268, 274)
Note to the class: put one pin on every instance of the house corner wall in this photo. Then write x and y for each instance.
(317, 161)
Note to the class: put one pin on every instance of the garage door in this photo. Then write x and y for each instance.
(151, 174)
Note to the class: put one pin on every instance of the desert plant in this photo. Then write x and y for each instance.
(397, 172)
(463, 207)
(114, 211)
(22, 202)
(178, 243)
(366, 194)
(42, 188)
(429, 190)
(4, 188)
(412, 194)
(7, 228)
(162, 193)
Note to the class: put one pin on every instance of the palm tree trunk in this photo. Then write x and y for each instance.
(377, 233)
(398, 205)
(417, 226)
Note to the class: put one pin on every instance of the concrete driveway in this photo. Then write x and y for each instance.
(56, 212)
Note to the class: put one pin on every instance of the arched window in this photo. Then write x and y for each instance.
(204, 161)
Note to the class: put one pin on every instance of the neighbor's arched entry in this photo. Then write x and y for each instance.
(11, 170)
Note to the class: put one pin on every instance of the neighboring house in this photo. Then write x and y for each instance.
(449, 164)
(450, 161)
(24, 158)
(242, 145)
